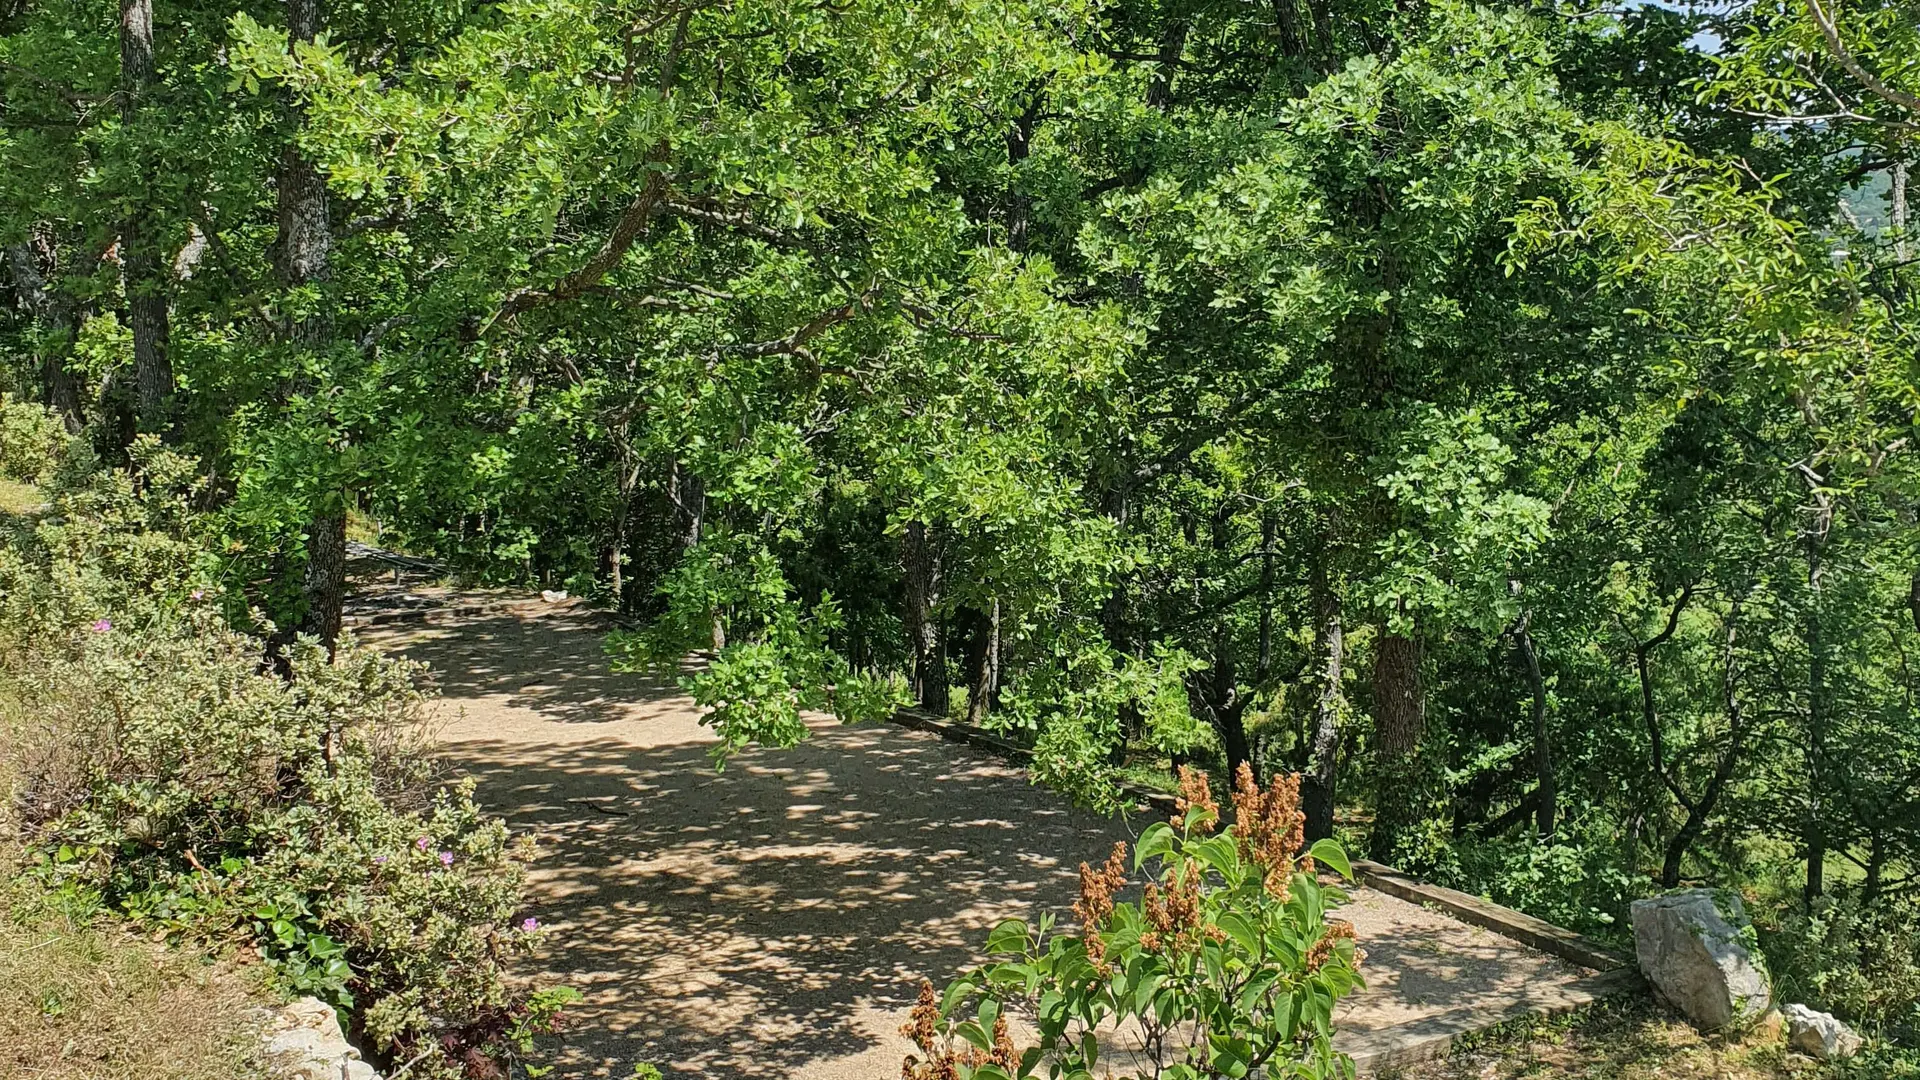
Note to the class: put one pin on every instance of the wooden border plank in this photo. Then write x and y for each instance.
(1538, 933)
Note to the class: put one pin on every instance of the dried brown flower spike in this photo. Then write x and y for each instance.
(1270, 827)
(1195, 792)
(1095, 904)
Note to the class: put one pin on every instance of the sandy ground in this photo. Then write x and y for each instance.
(775, 919)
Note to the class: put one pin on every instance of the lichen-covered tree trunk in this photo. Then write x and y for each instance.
(325, 581)
(59, 317)
(1400, 719)
(688, 494)
(983, 659)
(1399, 696)
(303, 248)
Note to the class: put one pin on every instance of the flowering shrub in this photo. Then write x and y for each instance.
(171, 775)
(1227, 966)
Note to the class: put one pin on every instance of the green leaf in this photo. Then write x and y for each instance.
(1010, 936)
(1329, 852)
(1241, 930)
(1229, 1055)
(1157, 840)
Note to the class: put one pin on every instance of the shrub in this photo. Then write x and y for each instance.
(32, 440)
(1859, 961)
(172, 774)
(1575, 881)
(1226, 967)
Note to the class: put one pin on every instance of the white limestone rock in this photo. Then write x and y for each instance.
(1696, 949)
(304, 1042)
(1819, 1034)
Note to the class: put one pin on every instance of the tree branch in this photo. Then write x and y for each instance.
(633, 221)
(1853, 67)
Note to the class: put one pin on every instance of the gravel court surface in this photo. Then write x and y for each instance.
(775, 918)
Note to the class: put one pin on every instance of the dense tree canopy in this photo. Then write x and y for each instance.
(1502, 415)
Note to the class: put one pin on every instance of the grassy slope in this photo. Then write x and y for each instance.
(88, 1003)
(81, 998)
(1636, 1040)
(18, 498)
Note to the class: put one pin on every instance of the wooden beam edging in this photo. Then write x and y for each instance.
(1538, 933)
(961, 733)
(968, 735)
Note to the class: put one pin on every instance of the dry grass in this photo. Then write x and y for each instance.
(1630, 1040)
(18, 498)
(82, 1003)
(82, 999)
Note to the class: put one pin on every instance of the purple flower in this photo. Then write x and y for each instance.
(446, 858)
(530, 925)
(379, 860)
(422, 844)
(199, 594)
(101, 626)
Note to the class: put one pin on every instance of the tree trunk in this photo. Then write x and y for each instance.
(1286, 22)
(1699, 810)
(50, 306)
(920, 574)
(1876, 867)
(688, 493)
(1399, 698)
(1901, 247)
(325, 581)
(1019, 146)
(1173, 46)
(983, 660)
(1318, 785)
(1547, 800)
(1818, 706)
(306, 235)
(1816, 829)
(1400, 716)
(142, 265)
(302, 249)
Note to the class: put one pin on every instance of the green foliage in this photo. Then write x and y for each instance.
(1139, 367)
(32, 441)
(1860, 960)
(188, 788)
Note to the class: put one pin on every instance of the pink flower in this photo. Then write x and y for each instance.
(379, 860)
(530, 925)
(446, 858)
(101, 626)
(422, 844)
(199, 594)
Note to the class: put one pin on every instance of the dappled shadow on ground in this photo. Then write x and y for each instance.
(775, 919)
(780, 914)
(554, 666)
